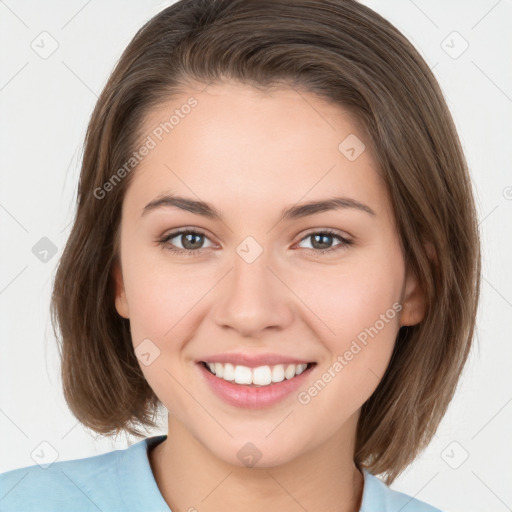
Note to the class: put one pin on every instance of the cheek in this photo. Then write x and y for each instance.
(162, 319)
(351, 296)
(166, 308)
(159, 306)
(359, 311)
(161, 296)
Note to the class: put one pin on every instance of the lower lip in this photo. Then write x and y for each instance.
(254, 397)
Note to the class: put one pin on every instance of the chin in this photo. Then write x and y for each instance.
(256, 451)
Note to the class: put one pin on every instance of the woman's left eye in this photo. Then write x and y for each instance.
(322, 238)
(192, 239)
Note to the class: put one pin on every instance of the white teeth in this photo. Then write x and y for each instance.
(278, 373)
(290, 371)
(260, 376)
(229, 371)
(218, 370)
(301, 368)
(243, 375)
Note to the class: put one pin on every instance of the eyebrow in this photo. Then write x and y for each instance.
(294, 212)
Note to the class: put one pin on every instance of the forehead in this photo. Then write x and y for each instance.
(244, 146)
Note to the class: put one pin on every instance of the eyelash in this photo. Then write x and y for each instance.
(345, 242)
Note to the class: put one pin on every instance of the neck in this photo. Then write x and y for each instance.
(191, 478)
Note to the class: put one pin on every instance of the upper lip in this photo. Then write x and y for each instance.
(254, 360)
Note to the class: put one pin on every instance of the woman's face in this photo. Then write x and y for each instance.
(254, 281)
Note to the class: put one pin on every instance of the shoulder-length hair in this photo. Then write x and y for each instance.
(345, 53)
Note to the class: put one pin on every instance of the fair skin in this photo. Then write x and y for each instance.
(250, 155)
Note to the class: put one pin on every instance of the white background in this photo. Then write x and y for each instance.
(45, 107)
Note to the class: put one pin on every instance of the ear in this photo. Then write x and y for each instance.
(413, 301)
(120, 299)
(413, 296)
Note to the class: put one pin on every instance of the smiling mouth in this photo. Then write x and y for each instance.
(262, 376)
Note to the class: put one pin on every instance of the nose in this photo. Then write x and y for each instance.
(253, 298)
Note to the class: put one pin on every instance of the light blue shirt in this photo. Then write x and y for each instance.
(122, 481)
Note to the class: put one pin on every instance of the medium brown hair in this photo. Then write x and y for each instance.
(350, 56)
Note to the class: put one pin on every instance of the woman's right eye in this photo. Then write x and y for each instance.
(190, 240)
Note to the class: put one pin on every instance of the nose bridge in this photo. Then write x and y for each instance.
(252, 298)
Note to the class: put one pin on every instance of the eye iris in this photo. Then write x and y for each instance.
(323, 245)
(185, 241)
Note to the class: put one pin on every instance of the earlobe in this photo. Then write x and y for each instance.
(120, 295)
